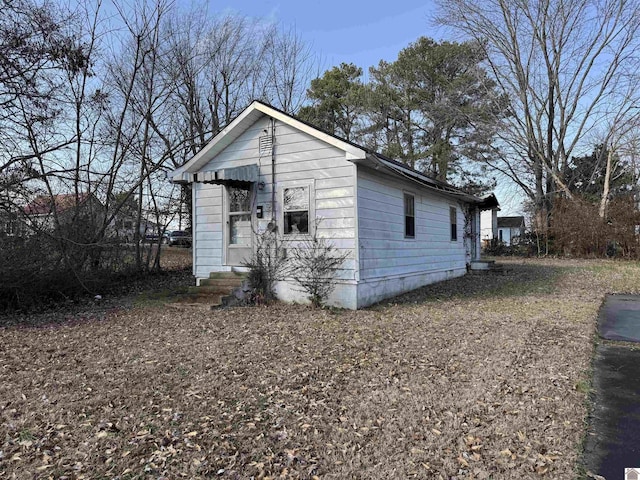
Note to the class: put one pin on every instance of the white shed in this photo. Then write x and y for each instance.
(510, 229)
(400, 229)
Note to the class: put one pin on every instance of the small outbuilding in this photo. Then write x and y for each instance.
(399, 228)
(510, 229)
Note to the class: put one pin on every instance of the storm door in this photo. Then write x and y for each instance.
(238, 224)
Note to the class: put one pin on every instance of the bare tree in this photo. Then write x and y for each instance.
(561, 63)
(98, 103)
(291, 66)
(35, 51)
(142, 95)
(217, 67)
(619, 139)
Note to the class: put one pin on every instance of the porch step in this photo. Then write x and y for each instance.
(218, 289)
(222, 282)
(486, 267)
(233, 274)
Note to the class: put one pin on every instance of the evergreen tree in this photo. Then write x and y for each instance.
(337, 101)
(585, 175)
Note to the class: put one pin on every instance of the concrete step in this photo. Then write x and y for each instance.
(212, 289)
(222, 282)
(486, 267)
(482, 264)
(227, 275)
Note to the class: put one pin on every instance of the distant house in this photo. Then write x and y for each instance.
(41, 212)
(510, 229)
(401, 229)
(123, 227)
(86, 210)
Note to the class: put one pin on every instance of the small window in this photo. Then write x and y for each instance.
(453, 216)
(296, 210)
(409, 216)
(239, 199)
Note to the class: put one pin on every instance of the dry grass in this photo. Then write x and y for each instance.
(175, 258)
(480, 377)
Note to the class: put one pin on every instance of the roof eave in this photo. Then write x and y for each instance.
(428, 182)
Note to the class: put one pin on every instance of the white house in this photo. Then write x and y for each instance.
(400, 228)
(510, 229)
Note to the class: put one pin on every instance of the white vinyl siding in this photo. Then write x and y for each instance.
(365, 212)
(300, 160)
(385, 251)
(208, 241)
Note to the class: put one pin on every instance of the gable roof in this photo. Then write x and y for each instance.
(353, 152)
(511, 222)
(247, 118)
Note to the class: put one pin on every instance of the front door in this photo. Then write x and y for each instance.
(238, 225)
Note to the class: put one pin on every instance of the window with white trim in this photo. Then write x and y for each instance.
(296, 210)
(453, 218)
(409, 216)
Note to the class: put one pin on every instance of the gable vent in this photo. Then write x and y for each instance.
(265, 145)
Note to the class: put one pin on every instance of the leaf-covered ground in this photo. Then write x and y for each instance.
(479, 377)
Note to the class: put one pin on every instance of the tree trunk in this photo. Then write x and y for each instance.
(604, 202)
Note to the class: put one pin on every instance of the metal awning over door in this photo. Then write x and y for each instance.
(225, 176)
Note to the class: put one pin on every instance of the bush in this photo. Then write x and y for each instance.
(579, 231)
(39, 267)
(311, 262)
(316, 263)
(525, 247)
(266, 266)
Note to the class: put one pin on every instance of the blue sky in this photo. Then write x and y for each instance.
(345, 31)
(357, 32)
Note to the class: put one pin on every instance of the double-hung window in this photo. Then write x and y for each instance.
(409, 216)
(296, 210)
(453, 216)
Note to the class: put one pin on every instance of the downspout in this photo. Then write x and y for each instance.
(273, 173)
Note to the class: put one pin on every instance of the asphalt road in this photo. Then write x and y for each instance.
(613, 437)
